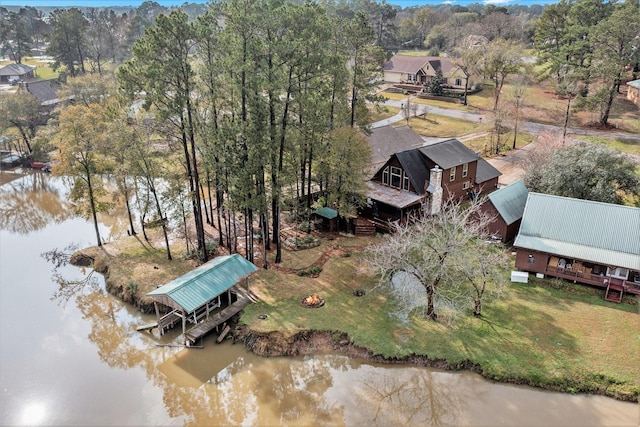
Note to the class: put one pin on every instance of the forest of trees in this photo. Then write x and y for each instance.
(229, 114)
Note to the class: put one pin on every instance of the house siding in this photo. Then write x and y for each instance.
(633, 92)
(454, 189)
(540, 260)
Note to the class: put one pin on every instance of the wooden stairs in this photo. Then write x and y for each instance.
(614, 293)
(364, 227)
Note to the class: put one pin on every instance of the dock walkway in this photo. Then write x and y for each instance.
(201, 329)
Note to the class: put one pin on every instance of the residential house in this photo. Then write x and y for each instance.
(12, 73)
(583, 241)
(45, 92)
(633, 91)
(506, 206)
(424, 177)
(420, 70)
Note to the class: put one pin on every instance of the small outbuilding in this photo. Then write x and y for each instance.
(205, 297)
(633, 91)
(329, 218)
(506, 205)
(15, 72)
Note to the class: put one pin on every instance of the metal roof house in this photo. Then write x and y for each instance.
(506, 205)
(583, 241)
(205, 297)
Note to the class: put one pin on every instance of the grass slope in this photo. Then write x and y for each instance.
(569, 340)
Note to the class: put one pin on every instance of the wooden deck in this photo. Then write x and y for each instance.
(206, 326)
(614, 288)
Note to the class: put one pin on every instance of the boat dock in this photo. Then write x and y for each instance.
(201, 329)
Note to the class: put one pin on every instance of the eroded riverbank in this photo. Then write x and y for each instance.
(314, 342)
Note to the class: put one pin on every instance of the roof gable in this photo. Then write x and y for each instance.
(510, 201)
(449, 153)
(593, 231)
(415, 166)
(202, 284)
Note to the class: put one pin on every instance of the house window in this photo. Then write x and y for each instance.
(445, 81)
(385, 176)
(465, 170)
(465, 185)
(452, 174)
(532, 259)
(396, 175)
(458, 82)
(405, 183)
(411, 77)
(618, 273)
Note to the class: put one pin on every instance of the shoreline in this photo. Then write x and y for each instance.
(309, 342)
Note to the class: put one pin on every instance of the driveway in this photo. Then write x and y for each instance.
(511, 163)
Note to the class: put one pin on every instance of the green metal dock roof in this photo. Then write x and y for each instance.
(593, 231)
(204, 283)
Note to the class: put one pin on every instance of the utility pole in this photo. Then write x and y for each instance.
(515, 128)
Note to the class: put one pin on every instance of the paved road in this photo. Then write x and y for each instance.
(531, 127)
(510, 164)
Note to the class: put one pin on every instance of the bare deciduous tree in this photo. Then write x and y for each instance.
(444, 253)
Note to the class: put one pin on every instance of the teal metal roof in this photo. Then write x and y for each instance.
(204, 283)
(327, 213)
(634, 83)
(509, 201)
(592, 231)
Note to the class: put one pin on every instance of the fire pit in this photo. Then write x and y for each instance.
(312, 301)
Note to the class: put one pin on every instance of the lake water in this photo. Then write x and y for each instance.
(79, 361)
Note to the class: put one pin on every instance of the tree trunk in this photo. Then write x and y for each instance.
(604, 118)
(431, 312)
(93, 205)
(133, 231)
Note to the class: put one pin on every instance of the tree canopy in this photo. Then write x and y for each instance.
(585, 171)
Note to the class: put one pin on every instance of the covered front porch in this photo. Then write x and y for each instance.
(386, 205)
(616, 280)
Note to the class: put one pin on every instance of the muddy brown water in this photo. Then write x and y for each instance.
(77, 359)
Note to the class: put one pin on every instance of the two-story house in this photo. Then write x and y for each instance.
(425, 178)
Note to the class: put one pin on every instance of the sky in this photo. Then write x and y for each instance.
(136, 3)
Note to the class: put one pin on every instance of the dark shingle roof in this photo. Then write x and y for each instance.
(16, 69)
(406, 63)
(449, 153)
(485, 171)
(387, 140)
(42, 90)
(415, 166)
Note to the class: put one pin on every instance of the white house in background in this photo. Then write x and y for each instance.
(420, 70)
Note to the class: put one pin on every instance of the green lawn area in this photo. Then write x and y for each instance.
(566, 339)
(444, 126)
(630, 146)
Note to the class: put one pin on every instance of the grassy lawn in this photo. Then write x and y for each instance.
(569, 339)
(444, 126)
(483, 142)
(630, 146)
